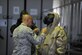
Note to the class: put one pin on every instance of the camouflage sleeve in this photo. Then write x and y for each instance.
(34, 38)
(61, 42)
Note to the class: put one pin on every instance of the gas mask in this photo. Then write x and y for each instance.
(48, 19)
(51, 18)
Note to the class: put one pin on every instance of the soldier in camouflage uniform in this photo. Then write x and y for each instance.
(24, 37)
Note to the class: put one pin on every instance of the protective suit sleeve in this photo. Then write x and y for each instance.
(61, 42)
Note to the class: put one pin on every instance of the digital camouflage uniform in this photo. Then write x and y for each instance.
(23, 39)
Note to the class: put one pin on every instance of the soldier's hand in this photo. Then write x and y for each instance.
(36, 30)
(44, 30)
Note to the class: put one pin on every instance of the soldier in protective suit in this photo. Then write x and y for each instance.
(56, 39)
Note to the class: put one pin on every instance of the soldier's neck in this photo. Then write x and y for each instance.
(24, 24)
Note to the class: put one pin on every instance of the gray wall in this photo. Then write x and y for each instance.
(72, 21)
(3, 28)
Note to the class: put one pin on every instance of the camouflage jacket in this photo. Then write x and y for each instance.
(23, 37)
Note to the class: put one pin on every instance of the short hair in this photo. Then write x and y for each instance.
(23, 13)
(19, 21)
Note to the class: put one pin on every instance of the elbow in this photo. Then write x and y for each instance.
(61, 51)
